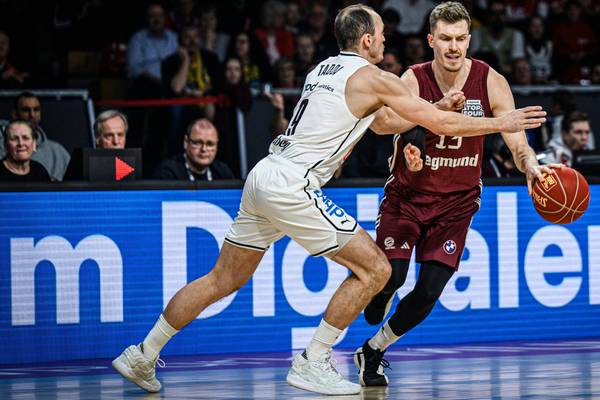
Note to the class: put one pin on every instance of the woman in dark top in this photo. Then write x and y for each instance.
(17, 166)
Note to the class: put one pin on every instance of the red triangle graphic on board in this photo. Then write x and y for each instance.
(122, 169)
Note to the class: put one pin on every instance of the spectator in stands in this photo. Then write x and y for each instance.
(255, 65)
(210, 38)
(305, 57)
(279, 121)
(595, 79)
(390, 62)
(147, 49)
(10, 77)
(191, 72)
(574, 45)
(563, 103)
(500, 163)
(52, 155)
(414, 51)
(413, 14)
(197, 163)
(110, 130)
(17, 165)
(235, 87)
(521, 72)
(185, 13)
(576, 133)
(318, 27)
(496, 37)
(275, 39)
(292, 17)
(285, 74)
(391, 20)
(539, 50)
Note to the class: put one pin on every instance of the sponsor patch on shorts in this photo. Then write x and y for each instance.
(449, 246)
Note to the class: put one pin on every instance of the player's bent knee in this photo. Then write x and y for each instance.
(381, 273)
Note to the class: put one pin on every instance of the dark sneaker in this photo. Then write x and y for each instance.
(370, 364)
(378, 308)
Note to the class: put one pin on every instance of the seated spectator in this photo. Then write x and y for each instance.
(255, 65)
(521, 72)
(146, 50)
(20, 143)
(197, 163)
(292, 17)
(500, 164)
(273, 36)
(391, 20)
(574, 45)
(414, 51)
(235, 88)
(495, 36)
(305, 57)
(52, 155)
(318, 27)
(413, 14)
(210, 38)
(10, 77)
(539, 50)
(184, 13)
(576, 133)
(110, 131)
(391, 62)
(191, 72)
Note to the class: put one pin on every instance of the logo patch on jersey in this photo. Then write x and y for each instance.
(388, 242)
(449, 246)
(473, 108)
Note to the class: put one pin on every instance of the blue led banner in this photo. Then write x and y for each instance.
(83, 274)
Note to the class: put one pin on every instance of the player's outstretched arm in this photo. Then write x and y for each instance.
(388, 122)
(393, 93)
(502, 102)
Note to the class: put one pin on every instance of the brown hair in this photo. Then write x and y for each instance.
(450, 12)
(351, 23)
(570, 119)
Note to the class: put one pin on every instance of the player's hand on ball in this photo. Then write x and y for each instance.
(412, 155)
(453, 100)
(530, 117)
(536, 172)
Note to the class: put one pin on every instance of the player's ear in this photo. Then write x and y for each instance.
(430, 40)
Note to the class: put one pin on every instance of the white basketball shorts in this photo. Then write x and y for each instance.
(279, 199)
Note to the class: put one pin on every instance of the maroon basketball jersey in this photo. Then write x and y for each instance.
(452, 163)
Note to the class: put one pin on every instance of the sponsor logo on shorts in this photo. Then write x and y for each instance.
(449, 246)
(330, 207)
(388, 242)
(405, 246)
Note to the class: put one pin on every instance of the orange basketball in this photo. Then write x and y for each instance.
(561, 197)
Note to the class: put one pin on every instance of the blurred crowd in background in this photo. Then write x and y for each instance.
(241, 51)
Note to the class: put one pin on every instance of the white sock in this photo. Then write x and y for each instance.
(383, 338)
(321, 343)
(158, 336)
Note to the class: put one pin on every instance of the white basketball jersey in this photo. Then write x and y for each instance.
(322, 130)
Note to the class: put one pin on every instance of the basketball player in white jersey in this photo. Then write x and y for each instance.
(341, 98)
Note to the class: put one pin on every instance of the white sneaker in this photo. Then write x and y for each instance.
(319, 376)
(137, 368)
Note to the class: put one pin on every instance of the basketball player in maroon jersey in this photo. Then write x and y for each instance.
(431, 210)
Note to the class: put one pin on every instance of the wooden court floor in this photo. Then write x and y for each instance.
(526, 370)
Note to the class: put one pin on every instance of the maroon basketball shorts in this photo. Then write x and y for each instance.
(436, 225)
